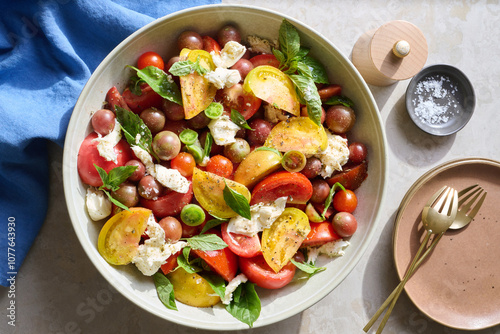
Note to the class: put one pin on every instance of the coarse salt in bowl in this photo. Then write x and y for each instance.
(279, 304)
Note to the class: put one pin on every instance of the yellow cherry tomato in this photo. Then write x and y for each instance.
(197, 92)
(119, 237)
(208, 189)
(282, 240)
(192, 289)
(257, 165)
(298, 133)
(273, 86)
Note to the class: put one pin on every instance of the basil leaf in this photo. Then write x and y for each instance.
(103, 175)
(181, 68)
(303, 51)
(165, 291)
(208, 145)
(239, 120)
(329, 198)
(308, 268)
(206, 242)
(237, 202)
(114, 201)
(317, 70)
(338, 99)
(160, 82)
(118, 175)
(134, 129)
(184, 263)
(135, 85)
(280, 56)
(308, 91)
(245, 305)
(289, 40)
(216, 282)
(211, 224)
(198, 68)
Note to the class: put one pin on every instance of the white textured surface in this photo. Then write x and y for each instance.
(58, 290)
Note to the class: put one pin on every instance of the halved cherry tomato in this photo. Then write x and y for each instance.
(235, 97)
(345, 201)
(210, 44)
(320, 234)
(114, 98)
(223, 261)
(258, 271)
(170, 204)
(295, 186)
(148, 98)
(150, 58)
(88, 155)
(119, 238)
(351, 178)
(240, 244)
(170, 264)
(183, 162)
(265, 59)
(329, 91)
(220, 165)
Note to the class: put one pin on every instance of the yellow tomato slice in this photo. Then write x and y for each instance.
(298, 133)
(208, 189)
(273, 86)
(119, 237)
(282, 240)
(192, 289)
(197, 92)
(257, 165)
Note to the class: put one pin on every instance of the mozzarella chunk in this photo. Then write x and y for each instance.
(229, 55)
(155, 250)
(262, 217)
(334, 156)
(98, 204)
(231, 287)
(223, 130)
(332, 249)
(106, 145)
(222, 77)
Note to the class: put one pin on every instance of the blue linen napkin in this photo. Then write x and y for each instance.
(48, 50)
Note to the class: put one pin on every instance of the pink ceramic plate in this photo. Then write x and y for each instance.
(459, 284)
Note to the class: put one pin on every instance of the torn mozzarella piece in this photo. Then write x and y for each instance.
(155, 250)
(98, 204)
(231, 287)
(262, 217)
(106, 145)
(332, 249)
(334, 156)
(229, 55)
(222, 77)
(223, 130)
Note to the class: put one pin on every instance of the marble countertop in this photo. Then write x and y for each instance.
(60, 291)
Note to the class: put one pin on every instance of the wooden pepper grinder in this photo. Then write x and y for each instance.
(395, 51)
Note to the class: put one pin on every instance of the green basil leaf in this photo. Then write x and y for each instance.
(211, 224)
(208, 145)
(303, 51)
(329, 198)
(135, 85)
(308, 91)
(134, 129)
(289, 40)
(280, 56)
(339, 99)
(165, 291)
(198, 68)
(206, 242)
(308, 268)
(318, 71)
(245, 305)
(118, 175)
(184, 263)
(237, 202)
(239, 120)
(160, 82)
(216, 282)
(103, 175)
(181, 68)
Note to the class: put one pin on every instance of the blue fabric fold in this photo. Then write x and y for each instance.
(48, 50)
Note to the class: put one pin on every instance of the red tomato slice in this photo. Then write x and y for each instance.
(236, 97)
(170, 204)
(320, 234)
(171, 263)
(223, 261)
(351, 178)
(148, 99)
(88, 155)
(295, 186)
(258, 271)
(240, 244)
(265, 59)
(210, 44)
(114, 98)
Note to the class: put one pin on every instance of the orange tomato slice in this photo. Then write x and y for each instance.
(257, 165)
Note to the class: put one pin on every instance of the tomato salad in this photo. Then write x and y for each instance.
(223, 168)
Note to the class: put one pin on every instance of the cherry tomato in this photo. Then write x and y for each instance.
(210, 44)
(329, 91)
(357, 152)
(261, 130)
(240, 244)
(88, 155)
(320, 234)
(312, 167)
(114, 98)
(139, 171)
(351, 178)
(228, 33)
(295, 186)
(236, 98)
(265, 59)
(344, 224)
(148, 98)
(190, 40)
(258, 271)
(345, 201)
(172, 228)
(150, 58)
(244, 66)
(321, 189)
(103, 121)
(170, 204)
(340, 119)
(220, 165)
(184, 162)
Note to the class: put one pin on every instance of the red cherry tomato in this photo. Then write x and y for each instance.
(351, 178)
(114, 98)
(235, 97)
(258, 271)
(210, 44)
(329, 91)
(171, 263)
(170, 204)
(295, 186)
(320, 234)
(345, 201)
(148, 98)
(88, 155)
(150, 58)
(344, 224)
(220, 165)
(265, 59)
(184, 162)
(240, 244)
(223, 261)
